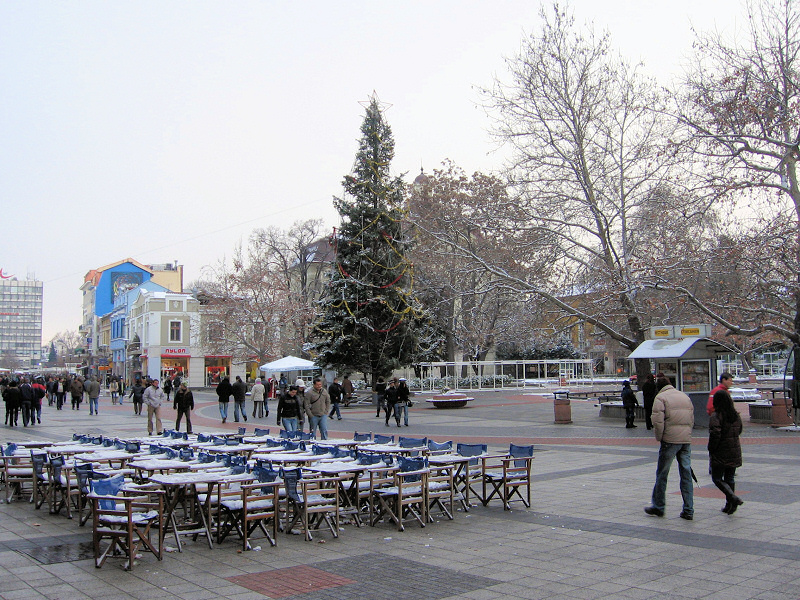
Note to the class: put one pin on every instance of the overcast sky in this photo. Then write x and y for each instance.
(167, 131)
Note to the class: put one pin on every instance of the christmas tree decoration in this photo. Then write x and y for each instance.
(370, 320)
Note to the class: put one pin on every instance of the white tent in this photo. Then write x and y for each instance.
(288, 363)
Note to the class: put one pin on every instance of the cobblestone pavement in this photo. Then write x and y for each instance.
(584, 537)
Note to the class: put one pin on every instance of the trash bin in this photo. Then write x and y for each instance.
(563, 411)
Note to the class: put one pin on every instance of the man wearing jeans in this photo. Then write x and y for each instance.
(673, 419)
(318, 404)
(153, 397)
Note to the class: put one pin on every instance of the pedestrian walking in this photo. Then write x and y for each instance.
(257, 393)
(61, 392)
(335, 393)
(76, 392)
(137, 395)
(629, 403)
(154, 397)
(317, 405)
(39, 393)
(725, 383)
(26, 391)
(648, 396)
(167, 387)
(239, 391)
(92, 389)
(13, 401)
(113, 389)
(224, 391)
(183, 404)
(347, 390)
(289, 409)
(380, 397)
(724, 448)
(391, 402)
(673, 419)
(403, 400)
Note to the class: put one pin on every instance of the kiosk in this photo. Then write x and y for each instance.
(690, 364)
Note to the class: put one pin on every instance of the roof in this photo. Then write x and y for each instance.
(94, 274)
(676, 348)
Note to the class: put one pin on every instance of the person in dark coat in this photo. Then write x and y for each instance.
(391, 402)
(724, 448)
(629, 402)
(167, 387)
(335, 392)
(224, 391)
(13, 400)
(649, 392)
(137, 395)
(184, 404)
(239, 390)
(289, 409)
(380, 397)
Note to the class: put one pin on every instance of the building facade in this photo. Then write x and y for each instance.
(163, 329)
(21, 321)
(101, 288)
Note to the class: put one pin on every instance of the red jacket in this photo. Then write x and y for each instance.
(710, 405)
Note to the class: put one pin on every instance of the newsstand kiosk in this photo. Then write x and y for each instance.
(690, 363)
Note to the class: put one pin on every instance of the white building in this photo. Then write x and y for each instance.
(163, 329)
(21, 320)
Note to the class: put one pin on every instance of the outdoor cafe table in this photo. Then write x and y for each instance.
(243, 449)
(147, 467)
(289, 458)
(181, 488)
(460, 472)
(391, 449)
(107, 456)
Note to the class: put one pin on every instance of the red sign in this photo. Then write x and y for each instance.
(175, 352)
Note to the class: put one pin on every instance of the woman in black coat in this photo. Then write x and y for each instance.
(724, 449)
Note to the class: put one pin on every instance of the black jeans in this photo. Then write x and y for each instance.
(725, 479)
(181, 413)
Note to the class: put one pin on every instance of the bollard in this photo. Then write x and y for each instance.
(563, 411)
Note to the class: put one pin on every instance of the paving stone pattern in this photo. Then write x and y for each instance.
(584, 537)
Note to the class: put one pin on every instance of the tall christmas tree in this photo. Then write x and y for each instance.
(370, 318)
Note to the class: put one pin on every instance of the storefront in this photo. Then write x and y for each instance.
(216, 368)
(175, 361)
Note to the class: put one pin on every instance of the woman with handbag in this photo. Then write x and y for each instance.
(403, 400)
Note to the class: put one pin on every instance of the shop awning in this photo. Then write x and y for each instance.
(677, 348)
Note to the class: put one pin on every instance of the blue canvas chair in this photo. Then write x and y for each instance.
(311, 502)
(379, 438)
(362, 437)
(440, 447)
(407, 497)
(472, 475)
(125, 521)
(508, 475)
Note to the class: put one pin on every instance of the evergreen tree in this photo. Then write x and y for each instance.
(370, 320)
(52, 358)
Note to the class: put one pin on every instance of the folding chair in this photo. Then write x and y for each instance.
(126, 521)
(379, 438)
(508, 475)
(440, 447)
(41, 479)
(472, 474)
(63, 487)
(441, 490)
(249, 507)
(312, 502)
(362, 437)
(19, 474)
(407, 497)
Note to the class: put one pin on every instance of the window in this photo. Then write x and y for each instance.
(174, 331)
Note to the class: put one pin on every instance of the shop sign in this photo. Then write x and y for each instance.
(175, 352)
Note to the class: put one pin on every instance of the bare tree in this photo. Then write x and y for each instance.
(741, 111)
(301, 259)
(67, 342)
(590, 150)
(247, 305)
(471, 310)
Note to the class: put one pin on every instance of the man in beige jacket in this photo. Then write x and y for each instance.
(673, 420)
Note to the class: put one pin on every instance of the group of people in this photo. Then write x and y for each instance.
(673, 421)
(26, 394)
(148, 393)
(393, 398)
